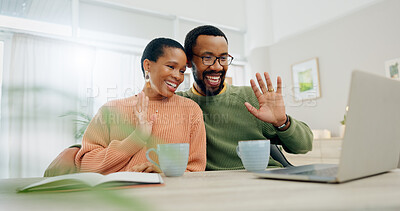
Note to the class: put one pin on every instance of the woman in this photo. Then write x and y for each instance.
(119, 135)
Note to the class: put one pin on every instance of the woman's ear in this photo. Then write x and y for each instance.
(189, 64)
(146, 65)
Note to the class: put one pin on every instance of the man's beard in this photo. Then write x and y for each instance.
(202, 85)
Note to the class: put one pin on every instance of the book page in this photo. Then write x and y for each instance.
(87, 178)
(135, 177)
(61, 185)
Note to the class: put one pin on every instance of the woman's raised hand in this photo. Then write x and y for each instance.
(140, 109)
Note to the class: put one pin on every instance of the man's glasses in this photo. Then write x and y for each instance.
(210, 60)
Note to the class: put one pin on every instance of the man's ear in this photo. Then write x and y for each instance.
(146, 65)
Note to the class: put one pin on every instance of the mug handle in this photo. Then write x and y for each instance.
(237, 150)
(149, 159)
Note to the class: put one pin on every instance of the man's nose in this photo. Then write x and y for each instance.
(216, 65)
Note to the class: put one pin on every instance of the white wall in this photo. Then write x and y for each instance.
(291, 17)
(229, 13)
(271, 21)
(276, 19)
(363, 41)
(259, 24)
(156, 18)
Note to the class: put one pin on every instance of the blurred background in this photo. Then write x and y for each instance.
(60, 60)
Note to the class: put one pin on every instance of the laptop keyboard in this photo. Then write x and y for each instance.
(321, 172)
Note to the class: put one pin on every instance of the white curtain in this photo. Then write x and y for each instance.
(47, 79)
(116, 75)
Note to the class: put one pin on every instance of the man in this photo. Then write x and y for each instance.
(230, 112)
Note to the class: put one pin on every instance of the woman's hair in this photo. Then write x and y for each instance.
(155, 49)
(191, 37)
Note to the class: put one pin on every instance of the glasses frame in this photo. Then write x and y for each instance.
(216, 58)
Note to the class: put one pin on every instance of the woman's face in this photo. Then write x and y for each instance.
(167, 72)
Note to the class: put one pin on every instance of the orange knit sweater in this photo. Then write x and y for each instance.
(111, 144)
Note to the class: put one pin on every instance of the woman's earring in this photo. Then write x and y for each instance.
(147, 77)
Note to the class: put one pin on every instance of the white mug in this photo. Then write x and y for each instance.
(254, 154)
(173, 158)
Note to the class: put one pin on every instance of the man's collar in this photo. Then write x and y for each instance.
(197, 93)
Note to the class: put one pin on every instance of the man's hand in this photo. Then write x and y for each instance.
(272, 107)
(146, 167)
(63, 164)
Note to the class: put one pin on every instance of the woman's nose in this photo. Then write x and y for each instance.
(177, 75)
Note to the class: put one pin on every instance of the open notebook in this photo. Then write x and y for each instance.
(371, 144)
(91, 181)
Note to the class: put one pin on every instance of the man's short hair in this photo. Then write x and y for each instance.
(155, 49)
(191, 37)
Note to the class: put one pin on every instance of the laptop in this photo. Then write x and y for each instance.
(371, 143)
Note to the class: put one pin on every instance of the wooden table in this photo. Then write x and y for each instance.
(218, 190)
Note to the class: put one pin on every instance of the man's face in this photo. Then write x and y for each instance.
(209, 80)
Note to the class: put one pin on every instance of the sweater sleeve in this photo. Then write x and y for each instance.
(197, 153)
(296, 139)
(102, 155)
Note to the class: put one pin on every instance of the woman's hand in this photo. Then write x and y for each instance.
(140, 109)
(146, 167)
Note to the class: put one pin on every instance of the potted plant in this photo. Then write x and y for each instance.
(81, 120)
(342, 127)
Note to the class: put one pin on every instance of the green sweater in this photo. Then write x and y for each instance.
(227, 121)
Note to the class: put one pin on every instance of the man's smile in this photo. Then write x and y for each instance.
(213, 79)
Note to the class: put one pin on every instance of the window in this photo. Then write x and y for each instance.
(1, 65)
